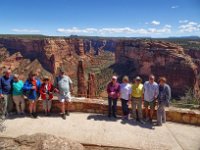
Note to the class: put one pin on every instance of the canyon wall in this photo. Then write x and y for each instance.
(142, 58)
(132, 57)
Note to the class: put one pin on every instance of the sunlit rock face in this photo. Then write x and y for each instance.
(158, 58)
(102, 57)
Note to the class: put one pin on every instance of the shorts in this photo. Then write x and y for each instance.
(62, 98)
(32, 100)
(151, 104)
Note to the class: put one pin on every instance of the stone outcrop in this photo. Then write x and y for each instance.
(91, 90)
(82, 87)
(160, 58)
(39, 141)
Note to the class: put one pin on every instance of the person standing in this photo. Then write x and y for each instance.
(46, 92)
(163, 100)
(125, 91)
(6, 92)
(64, 87)
(18, 94)
(136, 97)
(150, 95)
(113, 90)
(32, 88)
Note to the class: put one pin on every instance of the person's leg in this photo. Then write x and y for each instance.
(63, 107)
(67, 107)
(164, 115)
(126, 108)
(5, 97)
(22, 103)
(49, 106)
(139, 108)
(45, 106)
(34, 106)
(123, 107)
(152, 109)
(114, 107)
(146, 105)
(10, 103)
(17, 100)
(109, 106)
(134, 108)
(159, 115)
(31, 107)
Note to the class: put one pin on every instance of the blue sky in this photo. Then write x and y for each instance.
(130, 18)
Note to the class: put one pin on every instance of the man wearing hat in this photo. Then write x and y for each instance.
(163, 100)
(113, 90)
(63, 85)
(136, 97)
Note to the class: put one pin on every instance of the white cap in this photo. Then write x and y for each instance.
(114, 77)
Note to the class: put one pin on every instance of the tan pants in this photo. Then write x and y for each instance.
(19, 101)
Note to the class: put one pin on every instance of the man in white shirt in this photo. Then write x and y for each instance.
(151, 92)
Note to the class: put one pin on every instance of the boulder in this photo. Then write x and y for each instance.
(39, 141)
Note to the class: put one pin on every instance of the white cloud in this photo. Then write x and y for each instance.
(26, 30)
(183, 21)
(114, 31)
(175, 6)
(154, 22)
(189, 27)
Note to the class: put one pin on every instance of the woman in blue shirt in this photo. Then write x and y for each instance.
(32, 88)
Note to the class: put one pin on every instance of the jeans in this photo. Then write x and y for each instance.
(161, 114)
(112, 106)
(125, 107)
(137, 102)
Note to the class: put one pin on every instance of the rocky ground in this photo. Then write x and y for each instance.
(94, 129)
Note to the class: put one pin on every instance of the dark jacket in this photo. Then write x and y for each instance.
(164, 94)
(6, 85)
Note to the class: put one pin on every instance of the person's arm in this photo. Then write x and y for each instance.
(27, 86)
(168, 94)
(156, 91)
(108, 89)
(118, 91)
(71, 86)
(56, 89)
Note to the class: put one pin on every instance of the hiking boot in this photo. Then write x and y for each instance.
(141, 121)
(63, 116)
(67, 113)
(114, 116)
(35, 115)
(48, 114)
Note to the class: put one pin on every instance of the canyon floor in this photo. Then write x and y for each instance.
(99, 130)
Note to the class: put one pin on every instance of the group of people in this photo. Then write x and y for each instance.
(138, 94)
(12, 89)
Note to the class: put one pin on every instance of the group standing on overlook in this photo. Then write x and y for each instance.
(12, 89)
(138, 95)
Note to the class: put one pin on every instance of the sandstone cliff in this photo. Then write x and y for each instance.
(160, 58)
(132, 57)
